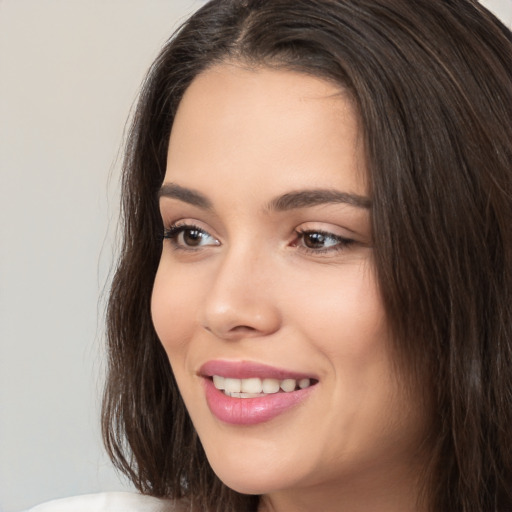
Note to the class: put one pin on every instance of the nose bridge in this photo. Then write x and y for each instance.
(239, 302)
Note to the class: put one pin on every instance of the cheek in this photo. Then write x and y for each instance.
(344, 322)
(343, 314)
(173, 308)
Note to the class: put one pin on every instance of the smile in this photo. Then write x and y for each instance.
(255, 387)
(246, 393)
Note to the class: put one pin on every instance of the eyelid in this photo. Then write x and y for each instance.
(341, 242)
(331, 229)
(178, 228)
(171, 222)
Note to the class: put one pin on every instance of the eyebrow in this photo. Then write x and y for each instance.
(316, 197)
(187, 195)
(285, 202)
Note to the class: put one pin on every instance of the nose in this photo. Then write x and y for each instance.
(240, 302)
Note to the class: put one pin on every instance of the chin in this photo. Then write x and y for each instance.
(251, 481)
(251, 473)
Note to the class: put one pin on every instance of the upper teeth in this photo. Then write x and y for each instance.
(247, 388)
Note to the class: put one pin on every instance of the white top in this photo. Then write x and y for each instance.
(110, 502)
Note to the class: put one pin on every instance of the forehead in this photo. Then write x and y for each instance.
(233, 121)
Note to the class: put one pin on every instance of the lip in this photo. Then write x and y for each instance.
(250, 411)
(249, 369)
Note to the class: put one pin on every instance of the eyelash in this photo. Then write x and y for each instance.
(341, 243)
(173, 232)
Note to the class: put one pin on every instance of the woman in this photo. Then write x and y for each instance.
(312, 305)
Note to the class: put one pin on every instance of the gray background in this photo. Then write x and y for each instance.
(69, 73)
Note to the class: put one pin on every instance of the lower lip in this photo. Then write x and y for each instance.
(251, 411)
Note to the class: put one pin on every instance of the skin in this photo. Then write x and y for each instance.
(256, 289)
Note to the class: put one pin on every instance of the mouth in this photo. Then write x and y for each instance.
(246, 393)
(256, 387)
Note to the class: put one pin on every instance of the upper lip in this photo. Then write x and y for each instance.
(248, 369)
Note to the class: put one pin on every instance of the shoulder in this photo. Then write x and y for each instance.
(110, 502)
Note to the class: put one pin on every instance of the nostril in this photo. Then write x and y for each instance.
(239, 319)
(238, 329)
(242, 328)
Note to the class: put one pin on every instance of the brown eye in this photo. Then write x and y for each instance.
(314, 240)
(321, 242)
(192, 237)
(189, 237)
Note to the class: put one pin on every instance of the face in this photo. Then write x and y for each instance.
(266, 287)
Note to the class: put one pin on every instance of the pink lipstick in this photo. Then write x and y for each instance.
(246, 393)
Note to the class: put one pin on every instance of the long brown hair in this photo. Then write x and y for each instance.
(432, 83)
